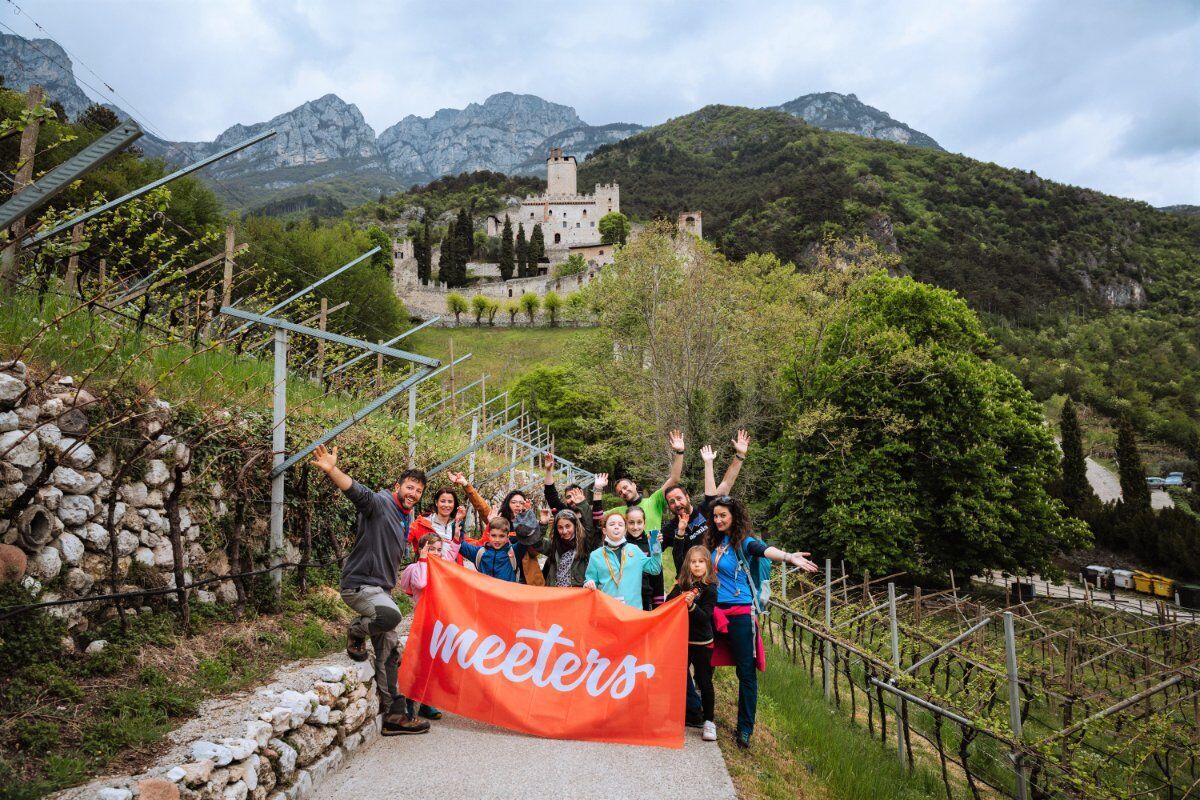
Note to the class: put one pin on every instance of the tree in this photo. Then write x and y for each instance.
(448, 260)
(1135, 492)
(614, 228)
(530, 303)
(506, 249)
(492, 307)
(456, 304)
(382, 259)
(576, 306)
(98, 118)
(512, 307)
(522, 253)
(479, 304)
(537, 248)
(423, 250)
(552, 303)
(566, 401)
(574, 265)
(1076, 491)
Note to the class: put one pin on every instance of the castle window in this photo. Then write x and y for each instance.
(585, 212)
(576, 224)
(557, 238)
(564, 223)
(601, 252)
(510, 292)
(593, 223)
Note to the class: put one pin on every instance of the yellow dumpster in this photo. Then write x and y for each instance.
(1163, 587)
(1142, 582)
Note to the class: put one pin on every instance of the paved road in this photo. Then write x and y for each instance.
(461, 758)
(1107, 486)
(1126, 601)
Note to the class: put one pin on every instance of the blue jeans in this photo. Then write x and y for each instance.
(743, 644)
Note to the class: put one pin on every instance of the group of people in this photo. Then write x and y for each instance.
(720, 566)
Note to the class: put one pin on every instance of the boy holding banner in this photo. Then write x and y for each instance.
(369, 576)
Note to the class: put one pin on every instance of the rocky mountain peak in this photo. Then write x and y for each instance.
(847, 114)
(25, 62)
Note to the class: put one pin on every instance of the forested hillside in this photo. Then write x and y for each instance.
(1088, 293)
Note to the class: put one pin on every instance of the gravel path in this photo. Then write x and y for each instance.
(1107, 486)
(461, 758)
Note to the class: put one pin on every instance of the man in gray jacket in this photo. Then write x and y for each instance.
(369, 576)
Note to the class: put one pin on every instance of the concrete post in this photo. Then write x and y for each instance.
(1014, 701)
(278, 456)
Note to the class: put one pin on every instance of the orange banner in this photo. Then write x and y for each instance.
(559, 663)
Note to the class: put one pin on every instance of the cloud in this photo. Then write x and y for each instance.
(1098, 94)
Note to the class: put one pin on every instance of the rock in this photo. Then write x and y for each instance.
(355, 713)
(74, 453)
(133, 520)
(94, 536)
(91, 482)
(49, 496)
(134, 494)
(15, 368)
(71, 548)
(236, 791)
(144, 556)
(220, 755)
(331, 673)
(328, 692)
(205, 596)
(20, 448)
(156, 473)
(49, 433)
(149, 539)
(13, 563)
(250, 776)
(328, 764)
(218, 562)
(198, 772)
(76, 509)
(164, 554)
(68, 480)
(301, 789)
(73, 422)
(127, 543)
(310, 742)
(286, 758)
(259, 731)
(320, 715)
(27, 416)
(78, 581)
(157, 789)
(241, 748)
(9, 421)
(176, 774)
(155, 521)
(11, 491)
(107, 465)
(154, 498)
(11, 388)
(110, 793)
(46, 564)
(32, 585)
(96, 647)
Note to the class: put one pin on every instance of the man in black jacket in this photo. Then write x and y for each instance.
(575, 500)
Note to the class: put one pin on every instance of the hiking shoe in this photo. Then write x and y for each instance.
(743, 740)
(694, 719)
(403, 724)
(429, 712)
(356, 646)
(710, 732)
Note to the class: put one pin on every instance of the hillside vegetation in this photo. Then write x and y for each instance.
(1044, 263)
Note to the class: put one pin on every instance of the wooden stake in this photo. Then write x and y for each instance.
(453, 399)
(379, 370)
(9, 266)
(322, 321)
(227, 279)
(71, 283)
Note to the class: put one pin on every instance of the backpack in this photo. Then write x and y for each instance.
(512, 560)
(758, 570)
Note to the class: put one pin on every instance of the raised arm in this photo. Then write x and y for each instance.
(676, 442)
(481, 506)
(551, 491)
(710, 482)
(741, 443)
(326, 460)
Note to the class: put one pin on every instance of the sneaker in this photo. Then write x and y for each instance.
(710, 732)
(356, 646)
(429, 712)
(402, 724)
(694, 719)
(743, 740)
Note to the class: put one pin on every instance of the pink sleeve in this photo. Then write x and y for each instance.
(415, 576)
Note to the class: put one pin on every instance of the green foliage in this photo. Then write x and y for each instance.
(537, 247)
(492, 307)
(574, 265)
(32, 638)
(98, 118)
(552, 303)
(483, 191)
(383, 259)
(512, 308)
(567, 401)
(1076, 492)
(456, 304)
(506, 249)
(530, 304)
(479, 304)
(1135, 493)
(522, 249)
(614, 228)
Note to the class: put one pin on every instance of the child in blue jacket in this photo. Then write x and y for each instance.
(617, 566)
(500, 557)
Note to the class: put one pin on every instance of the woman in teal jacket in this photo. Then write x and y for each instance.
(617, 566)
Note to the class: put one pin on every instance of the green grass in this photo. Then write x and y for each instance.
(504, 354)
(805, 748)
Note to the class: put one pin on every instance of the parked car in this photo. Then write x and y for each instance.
(1156, 481)
(1173, 479)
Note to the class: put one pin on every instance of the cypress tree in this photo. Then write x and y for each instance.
(1135, 494)
(522, 253)
(506, 250)
(425, 254)
(448, 262)
(466, 239)
(1075, 487)
(537, 248)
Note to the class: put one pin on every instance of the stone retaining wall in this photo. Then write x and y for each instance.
(276, 744)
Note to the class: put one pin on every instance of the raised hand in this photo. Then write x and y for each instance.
(741, 443)
(707, 453)
(461, 514)
(457, 478)
(545, 515)
(325, 459)
(676, 441)
(548, 460)
(601, 482)
(801, 560)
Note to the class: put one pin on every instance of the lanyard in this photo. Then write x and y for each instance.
(617, 576)
(737, 567)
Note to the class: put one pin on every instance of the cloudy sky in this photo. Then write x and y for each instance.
(1097, 93)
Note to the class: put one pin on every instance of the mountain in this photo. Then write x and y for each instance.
(847, 114)
(25, 62)
(1182, 210)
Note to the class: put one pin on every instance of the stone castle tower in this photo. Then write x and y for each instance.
(560, 173)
